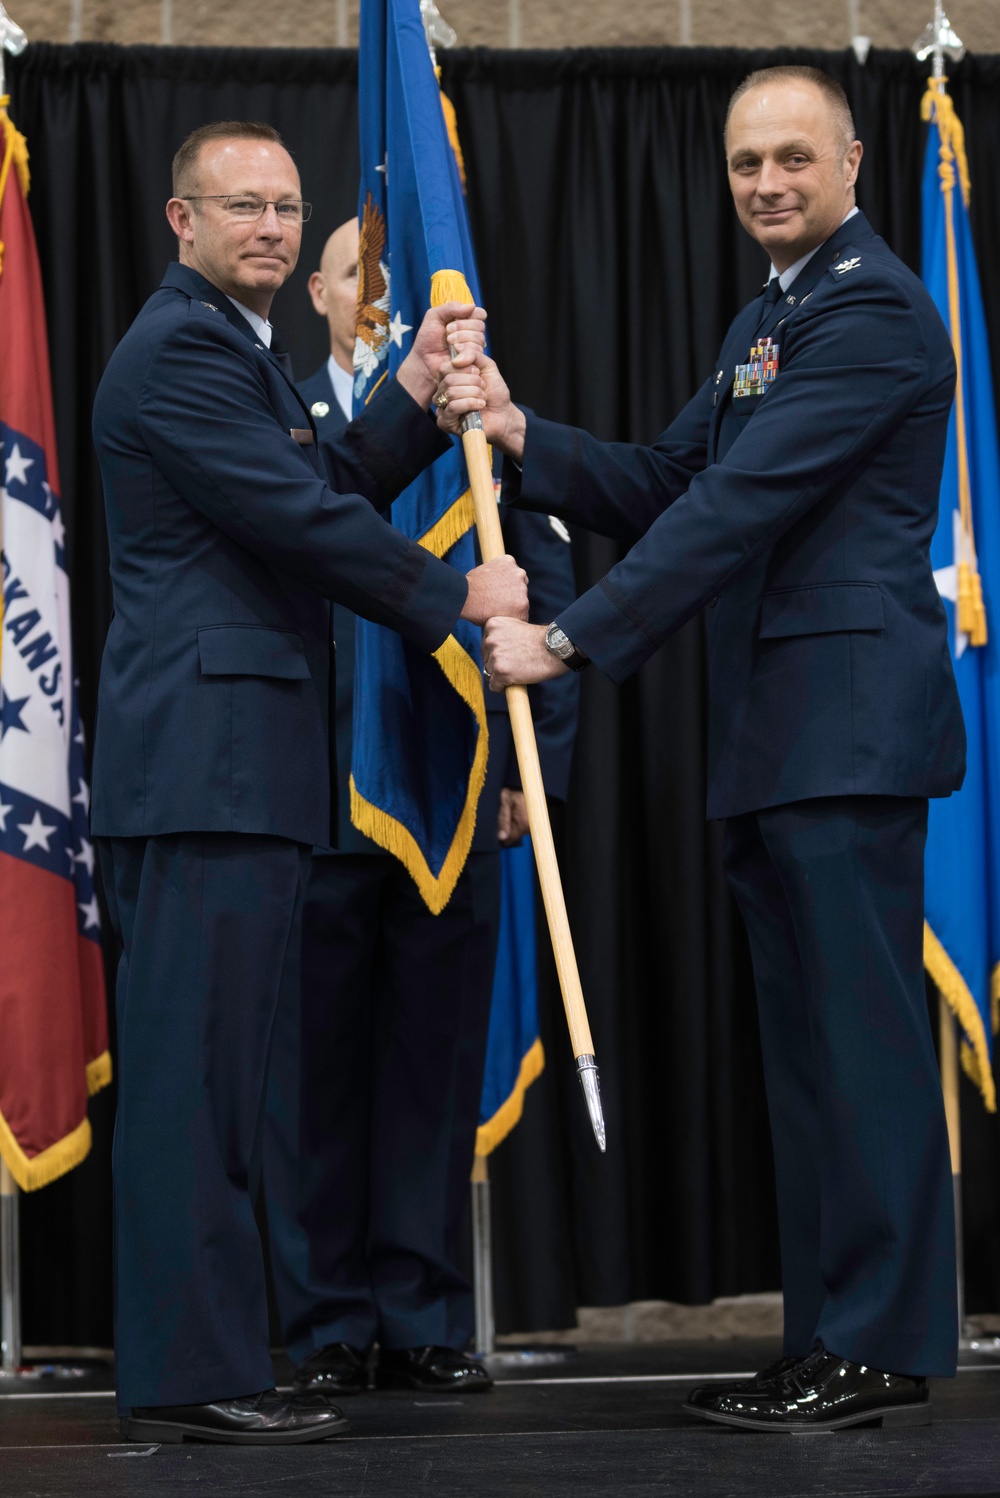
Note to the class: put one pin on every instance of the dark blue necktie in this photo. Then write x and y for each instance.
(283, 358)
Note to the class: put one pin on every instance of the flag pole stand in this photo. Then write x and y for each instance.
(10, 1276)
(973, 1351)
(14, 1371)
(510, 1355)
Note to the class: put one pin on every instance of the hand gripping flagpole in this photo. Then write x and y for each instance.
(491, 546)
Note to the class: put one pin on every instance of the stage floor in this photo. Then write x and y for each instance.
(609, 1421)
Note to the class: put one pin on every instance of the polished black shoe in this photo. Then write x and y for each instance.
(820, 1392)
(773, 1373)
(431, 1370)
(337, 1368)
(268, 1419)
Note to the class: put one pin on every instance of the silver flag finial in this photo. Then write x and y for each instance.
(937, 40)
(436, 28)
(12, 40)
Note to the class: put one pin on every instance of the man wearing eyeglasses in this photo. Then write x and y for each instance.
(213, 761)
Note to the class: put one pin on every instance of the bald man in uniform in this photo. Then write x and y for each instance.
(374, 1105)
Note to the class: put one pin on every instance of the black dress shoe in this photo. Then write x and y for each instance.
(774, 1372)
(268, 1419)
(431, 1370)
(337, 1368)
(821, 1392)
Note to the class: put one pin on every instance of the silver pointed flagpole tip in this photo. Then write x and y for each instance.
(586, 1070)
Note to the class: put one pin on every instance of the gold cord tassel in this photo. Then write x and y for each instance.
(978, 633)
(965, 602)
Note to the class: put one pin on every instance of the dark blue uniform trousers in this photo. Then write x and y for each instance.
(373, 1105)
(831, 892)
(209, 924)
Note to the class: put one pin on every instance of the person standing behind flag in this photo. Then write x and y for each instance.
(796, 495)
(376, 1079)
(213, 768)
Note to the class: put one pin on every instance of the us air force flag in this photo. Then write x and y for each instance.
(962, 931)
(420, 739)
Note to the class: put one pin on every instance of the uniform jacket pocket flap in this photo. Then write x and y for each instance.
(821, 610)
(249, 650)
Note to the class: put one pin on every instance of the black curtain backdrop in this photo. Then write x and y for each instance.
(612, 263)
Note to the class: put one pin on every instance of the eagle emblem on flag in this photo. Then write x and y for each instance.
(371, 347)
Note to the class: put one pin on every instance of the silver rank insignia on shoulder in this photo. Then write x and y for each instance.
(761, 371)
(846, 265)
(211, 306)
(319, 408)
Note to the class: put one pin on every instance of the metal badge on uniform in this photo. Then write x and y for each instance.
(302, 435)
(319, 408)
(760, 373)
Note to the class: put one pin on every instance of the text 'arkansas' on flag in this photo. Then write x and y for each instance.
(962, 901)
(53, 1016)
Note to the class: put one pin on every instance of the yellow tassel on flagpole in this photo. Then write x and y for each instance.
(451, 125)
(965, 601)
(937, 106)
(978, 634)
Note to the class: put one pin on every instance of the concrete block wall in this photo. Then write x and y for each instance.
(513, 23)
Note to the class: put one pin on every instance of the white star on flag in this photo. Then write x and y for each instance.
(86, 855)
(58, 530)
(90, 912)
(397, 328)
(50, 503)
(82, 797)
(3, 816)
(947, 580)
(36, 833)
(16, 468)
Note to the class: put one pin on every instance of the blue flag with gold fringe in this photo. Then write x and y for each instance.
(514, 1055)
(962, 901)
(420, 736)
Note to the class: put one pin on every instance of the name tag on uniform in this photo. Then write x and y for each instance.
(302, 435)
(760, 373)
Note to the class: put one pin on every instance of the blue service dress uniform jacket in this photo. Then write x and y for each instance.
(376, 1078)
(226, 543)
(802, 516)
(214, 773)
(796, 504)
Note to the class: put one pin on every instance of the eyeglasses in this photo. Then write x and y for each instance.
(245, 207)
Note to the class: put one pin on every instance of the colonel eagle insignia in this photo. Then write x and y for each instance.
(371, 344)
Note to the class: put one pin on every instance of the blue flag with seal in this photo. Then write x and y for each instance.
(962, 900)
(420, 736)
(514, 1055)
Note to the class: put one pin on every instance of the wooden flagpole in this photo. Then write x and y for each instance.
(491, 546)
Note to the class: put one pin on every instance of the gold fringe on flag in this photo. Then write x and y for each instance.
(495, 1130)
(463, 675)
(937, 106)
(435, 889)
(31, 1172)
(975, 1050)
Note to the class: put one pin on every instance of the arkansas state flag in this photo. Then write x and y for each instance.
(53, 1017)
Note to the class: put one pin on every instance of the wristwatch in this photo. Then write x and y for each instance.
(559, 644)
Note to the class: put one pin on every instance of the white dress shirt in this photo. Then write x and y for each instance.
(343, 386)
(786, 277)
(259, 324)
